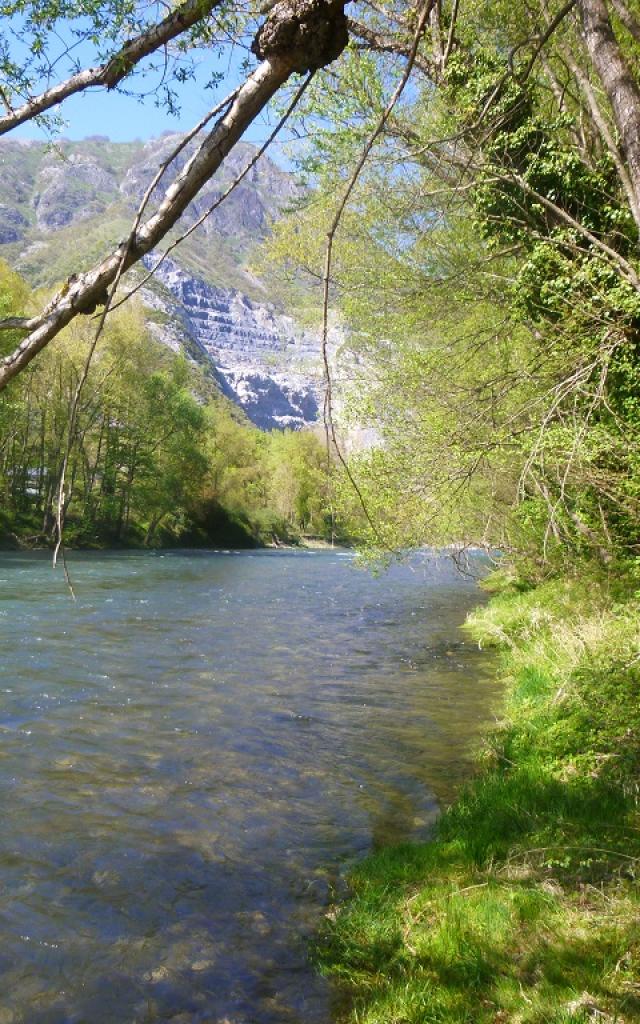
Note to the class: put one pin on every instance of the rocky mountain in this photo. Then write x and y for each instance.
(64, 205)
(262, 361)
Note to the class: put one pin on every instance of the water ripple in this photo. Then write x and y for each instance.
(191, 754)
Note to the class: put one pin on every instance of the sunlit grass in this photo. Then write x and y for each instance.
(526, 908)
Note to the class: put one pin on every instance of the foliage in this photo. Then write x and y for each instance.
(487, 285)
(42, 39)
(157, 455)
(487, 273)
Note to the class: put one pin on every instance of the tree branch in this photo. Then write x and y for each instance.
(113, 71)
(626, 269)
(388, 44)
(544, 39)
(329, 423)
(294, 38)
(605, 133)
(90, 289)
(451, 35)
(221, 198)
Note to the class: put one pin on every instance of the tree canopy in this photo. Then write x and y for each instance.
(479, 166)
(487, 268)
(156, 456)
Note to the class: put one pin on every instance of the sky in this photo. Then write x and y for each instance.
(123, 117)
(127, 117)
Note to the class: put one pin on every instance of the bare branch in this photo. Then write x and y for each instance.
(289, 41)
(605, 132)
(451, 36)
(389, 44)
(545, 37)
(75, 405)
(90, 289)
(17, 323)
(435, 19)
(30, 323)
(221, 198)
(626, 269)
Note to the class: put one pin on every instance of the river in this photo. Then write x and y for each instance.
(191, 755)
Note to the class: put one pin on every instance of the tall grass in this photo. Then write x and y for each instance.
(525, 908)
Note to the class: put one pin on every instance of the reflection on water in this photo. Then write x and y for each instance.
(190, 755)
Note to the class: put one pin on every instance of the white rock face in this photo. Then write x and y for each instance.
(262, 362)
(62, 207)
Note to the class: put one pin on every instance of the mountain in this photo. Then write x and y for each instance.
(65, 205)
(261, 360)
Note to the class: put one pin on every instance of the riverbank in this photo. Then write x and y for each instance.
(237, 543)
(221, 530)
(525, 908)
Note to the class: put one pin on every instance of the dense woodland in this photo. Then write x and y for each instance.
(486, 265)
(472, 214)
(483, 230)
(157, 455)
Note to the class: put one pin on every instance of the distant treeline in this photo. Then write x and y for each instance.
(157, 456)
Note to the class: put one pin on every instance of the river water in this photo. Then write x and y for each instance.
(190, 757)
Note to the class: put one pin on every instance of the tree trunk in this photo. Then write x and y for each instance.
(617, 81)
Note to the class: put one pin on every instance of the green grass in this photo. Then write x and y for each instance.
(525, 908)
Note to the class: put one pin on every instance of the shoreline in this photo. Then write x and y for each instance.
(524, 907)
(305, 544)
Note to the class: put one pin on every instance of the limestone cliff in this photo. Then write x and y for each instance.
(65, 205)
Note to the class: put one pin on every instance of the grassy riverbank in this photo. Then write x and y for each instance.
(526, 907)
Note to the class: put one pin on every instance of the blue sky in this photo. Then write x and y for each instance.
(127, 117)
(123, 117)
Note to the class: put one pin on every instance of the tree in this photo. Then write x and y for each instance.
(497, 228)
(156, 455)
(297, 37)
(522, 121)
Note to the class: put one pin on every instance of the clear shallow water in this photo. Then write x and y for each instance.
(189, 756)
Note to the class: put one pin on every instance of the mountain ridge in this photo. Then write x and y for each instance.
(65, 205)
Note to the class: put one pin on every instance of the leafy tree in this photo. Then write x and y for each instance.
(487, 269)
(503, 194)
(154, 449)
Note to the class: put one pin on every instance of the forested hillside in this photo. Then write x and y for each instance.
(157, 455)
(62, 202)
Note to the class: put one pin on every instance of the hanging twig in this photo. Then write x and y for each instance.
(109, 306)
(73, 417)
(451, 36)
(329, 424)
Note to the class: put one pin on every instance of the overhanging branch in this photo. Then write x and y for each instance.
(113, 71)
(381, 43)
(298, 36)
